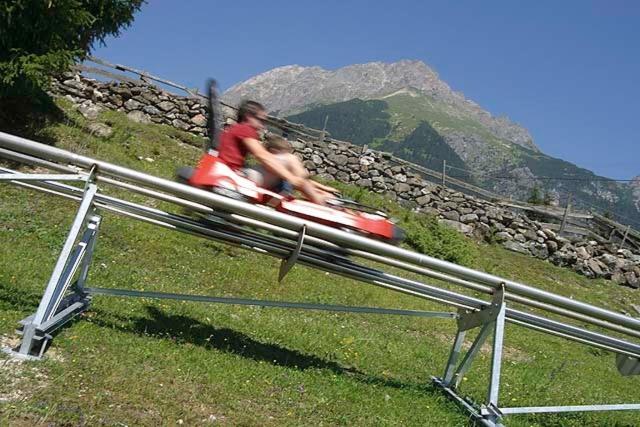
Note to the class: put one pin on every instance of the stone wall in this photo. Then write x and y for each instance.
(374, 171)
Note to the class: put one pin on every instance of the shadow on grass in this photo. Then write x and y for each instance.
(189, 330)
(27, 116)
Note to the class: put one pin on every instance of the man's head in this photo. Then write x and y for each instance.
(252, 113)
(277, 144)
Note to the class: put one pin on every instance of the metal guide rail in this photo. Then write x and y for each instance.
(294, 240)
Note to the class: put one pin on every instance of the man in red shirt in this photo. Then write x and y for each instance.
(242, 138)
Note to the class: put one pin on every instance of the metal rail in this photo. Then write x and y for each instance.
(335, 262)
(317, 230)
(294, 240)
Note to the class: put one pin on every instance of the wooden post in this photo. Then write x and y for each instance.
(324, 128)
(566, 214)
(444, 173)
(624, 238)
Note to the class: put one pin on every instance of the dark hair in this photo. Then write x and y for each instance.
(249, 108)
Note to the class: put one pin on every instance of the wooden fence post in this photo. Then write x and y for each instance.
(444, 173)
(566, 214)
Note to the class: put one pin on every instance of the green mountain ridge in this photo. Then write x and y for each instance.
(423, 130)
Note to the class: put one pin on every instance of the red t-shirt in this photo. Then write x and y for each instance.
(232, 150)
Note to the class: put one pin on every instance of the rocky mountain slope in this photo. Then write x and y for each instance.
(290, 89)
(406, 109)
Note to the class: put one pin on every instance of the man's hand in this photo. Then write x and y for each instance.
(298, 183)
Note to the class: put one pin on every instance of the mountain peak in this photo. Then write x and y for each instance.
(294, 88)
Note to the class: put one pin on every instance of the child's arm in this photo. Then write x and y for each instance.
(325, 188)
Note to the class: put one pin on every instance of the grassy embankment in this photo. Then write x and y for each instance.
(145, 362)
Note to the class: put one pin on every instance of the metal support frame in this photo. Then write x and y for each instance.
(288, 263)
(490, 320)
(56, 307)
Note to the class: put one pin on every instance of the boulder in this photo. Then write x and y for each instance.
(423, 200)
(121, 90)
(458, 226)
(561, 259)
(599, 269)
(400, 177)
(429, 211)
(151, 110)
(582, 253)
(618, 278)
(401, 187)
(610, 261)
(339, 159)
(166, 106)
(632, 279)
(132, 104)
(469, 218)
(539, 250)
(482, 231)
(199, 120)
(502, 236)
(550, 233)
(552, 246)
(516, 247)
(451, 215)
(89, 110)
(582, 268)
(342, 176)
(177, 123)
(100, 129)
(138, 117)
(297, 145)
(364, 183)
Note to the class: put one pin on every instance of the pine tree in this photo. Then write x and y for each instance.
(42, 37)
(535, 198)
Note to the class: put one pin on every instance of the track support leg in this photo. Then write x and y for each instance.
(57, 305)
(490, 320)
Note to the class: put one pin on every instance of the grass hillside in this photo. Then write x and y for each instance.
(147, 362)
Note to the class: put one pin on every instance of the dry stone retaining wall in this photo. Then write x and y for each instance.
(371, 170)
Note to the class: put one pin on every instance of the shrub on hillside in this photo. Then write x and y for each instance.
(423, 232)
(426, 235)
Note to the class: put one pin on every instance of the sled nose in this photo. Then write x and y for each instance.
(184, 174)
(398, 235)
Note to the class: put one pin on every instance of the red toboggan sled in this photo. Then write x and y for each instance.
(213, 174)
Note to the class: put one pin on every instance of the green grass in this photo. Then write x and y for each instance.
(146, 362)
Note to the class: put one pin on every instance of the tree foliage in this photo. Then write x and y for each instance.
(536, 197)
(41, 37)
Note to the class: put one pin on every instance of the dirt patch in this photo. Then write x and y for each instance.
(19, 379)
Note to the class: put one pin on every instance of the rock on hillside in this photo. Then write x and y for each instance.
(291, 88)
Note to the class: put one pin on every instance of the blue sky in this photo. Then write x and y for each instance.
(569, 71)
